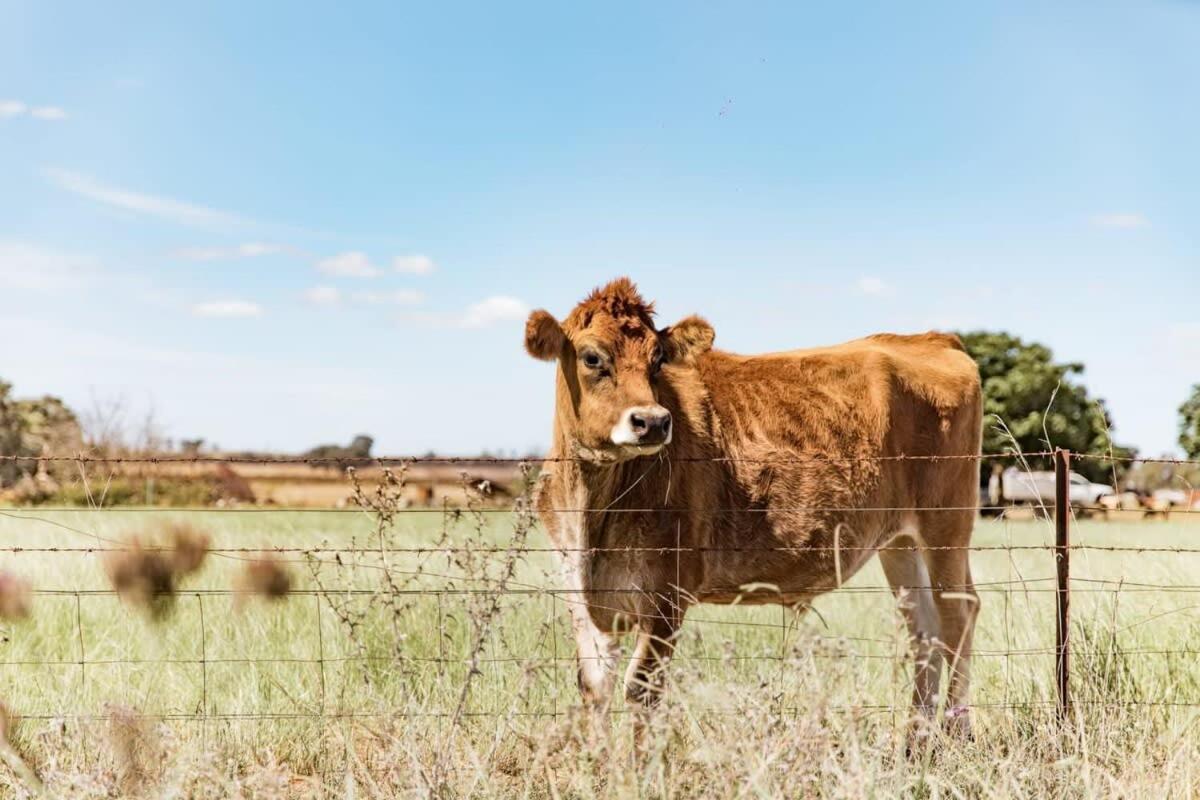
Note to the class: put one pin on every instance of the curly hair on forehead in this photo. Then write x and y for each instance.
(619, 299)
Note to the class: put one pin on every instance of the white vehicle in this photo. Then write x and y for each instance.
(1020, 487)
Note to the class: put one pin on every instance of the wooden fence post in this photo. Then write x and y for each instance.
(1062, 558)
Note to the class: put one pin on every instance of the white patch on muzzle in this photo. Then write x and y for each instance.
(624, 434)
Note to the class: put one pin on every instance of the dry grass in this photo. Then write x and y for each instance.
(136, 750)
(11, 756)
(377, 690)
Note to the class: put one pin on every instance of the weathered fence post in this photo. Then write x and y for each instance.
(1062, 558)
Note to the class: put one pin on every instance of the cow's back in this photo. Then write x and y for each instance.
(812, 435)
(887, 393)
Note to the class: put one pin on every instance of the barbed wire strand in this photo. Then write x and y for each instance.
(492, 585)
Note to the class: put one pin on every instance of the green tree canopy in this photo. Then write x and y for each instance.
(1189, 424)
(1032, 403)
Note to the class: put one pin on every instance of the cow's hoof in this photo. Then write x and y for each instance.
(957, 723)
(921, 733)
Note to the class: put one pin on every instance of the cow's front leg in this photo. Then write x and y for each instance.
(596, 655)
(646, 674)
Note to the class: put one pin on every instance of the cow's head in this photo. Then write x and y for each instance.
(611, 359)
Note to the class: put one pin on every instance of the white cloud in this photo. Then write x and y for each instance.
(1124, 220)
(415, 264)
(246, 250)
(499, 308)
(323, 295)
(151, 205)
(250, 249)
(333, 296)
(352, 263)
(49, 113)
(16, 108)
(12, 108)
(29, 266)
(870, 285)
(227, 308)
(399, 297)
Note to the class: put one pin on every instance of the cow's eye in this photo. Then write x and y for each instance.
(591, 361)
(657, 363)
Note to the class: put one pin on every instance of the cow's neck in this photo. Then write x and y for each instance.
(586, 488)
(586, 493)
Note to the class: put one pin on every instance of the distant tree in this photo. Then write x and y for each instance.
(361, 446)
(39, 426)
(1033, 402)
(11, 435)
(1148, 476)
(49, 426)
(358, 449)
(1189, 424)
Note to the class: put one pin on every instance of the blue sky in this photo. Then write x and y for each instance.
(279, 228)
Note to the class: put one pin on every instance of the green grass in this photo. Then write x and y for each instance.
(362, 685)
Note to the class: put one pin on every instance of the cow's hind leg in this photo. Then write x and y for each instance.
(948, 536)
(906, 573)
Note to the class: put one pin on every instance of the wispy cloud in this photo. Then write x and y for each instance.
(166, 208)
(323, 295)
(485, 313)
(1123, 220)
(357, 264)
(415, 264)
(351, 264)
(48, 113)
(333, 296)
(32, 267)
(245, 250)
(398, 297)
(227, 308)
(499, 308)
(16, 108)
(869, 285)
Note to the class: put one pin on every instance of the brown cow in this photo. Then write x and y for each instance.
(679, 474)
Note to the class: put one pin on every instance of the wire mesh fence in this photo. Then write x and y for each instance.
(458, 611)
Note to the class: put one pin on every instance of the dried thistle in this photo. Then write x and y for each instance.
(189, 547)
(142, 577)
(147, 576)
(16, 597)
(265, 577)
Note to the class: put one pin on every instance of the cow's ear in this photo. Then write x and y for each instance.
(544, 337)
(688, 338)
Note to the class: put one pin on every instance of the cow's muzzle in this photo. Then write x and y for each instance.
(643, 427)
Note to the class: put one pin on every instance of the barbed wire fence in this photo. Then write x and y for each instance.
(468, 588)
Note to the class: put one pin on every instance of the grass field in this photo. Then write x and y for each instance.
(390, 673)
